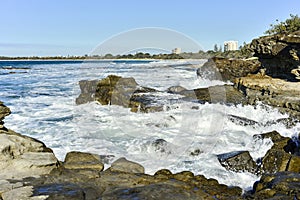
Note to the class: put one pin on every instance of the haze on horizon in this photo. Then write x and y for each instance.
(51, 28)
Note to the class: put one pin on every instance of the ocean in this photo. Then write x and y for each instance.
(41, 96)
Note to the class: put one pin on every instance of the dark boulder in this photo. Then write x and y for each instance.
(88, 90)
(279, 157)
(279, 54)
(4, 111)
(238, 161)
(281, 185)
(115, 90)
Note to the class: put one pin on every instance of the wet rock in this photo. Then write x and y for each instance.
(296, 72)
(176, 89)
(196, 152)
(22, 193)
(123, 165)
(4, 111)
(242, 121)
(238, 161)
(274, 92)
(281, 185)
(66, 191)
(273, 135)
(219, 68)
(88, 90)
(163, 174)
(80, 160)
(220, 94)
(160, 145)
(280, 157)
(115, 90)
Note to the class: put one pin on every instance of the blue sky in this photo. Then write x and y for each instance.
(62, 27)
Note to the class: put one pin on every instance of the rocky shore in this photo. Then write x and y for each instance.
(30, 170)
(271, 76)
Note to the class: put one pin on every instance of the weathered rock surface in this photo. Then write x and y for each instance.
(25, 155)
(283, 156)
(219, 68)
(281, 185)
(123, 165)
(81, 160)
(214, 94)
(115, 90)
(238, 161)
(4, 111)
(279, 54)
(65, 183)
(275, 92)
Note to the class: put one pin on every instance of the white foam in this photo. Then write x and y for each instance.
(43, 107)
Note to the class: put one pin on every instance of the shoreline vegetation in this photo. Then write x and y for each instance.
(242, 53)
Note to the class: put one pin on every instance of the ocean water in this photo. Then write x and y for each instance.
(185, 136)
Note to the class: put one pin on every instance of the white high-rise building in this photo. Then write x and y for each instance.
(230, 45)
(176, 51)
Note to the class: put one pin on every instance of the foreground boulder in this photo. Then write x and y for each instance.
(25, 155)
(63, 183)
(281, 185)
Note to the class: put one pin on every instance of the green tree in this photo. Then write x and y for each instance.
(216, 48)
(289, 25)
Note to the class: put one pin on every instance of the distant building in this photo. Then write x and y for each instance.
(176, 51)
(230, 45)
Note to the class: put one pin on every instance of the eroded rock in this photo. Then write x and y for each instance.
(281, 185)
(27, 156)
(275, 92)
(224, 69)
(279, 54)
